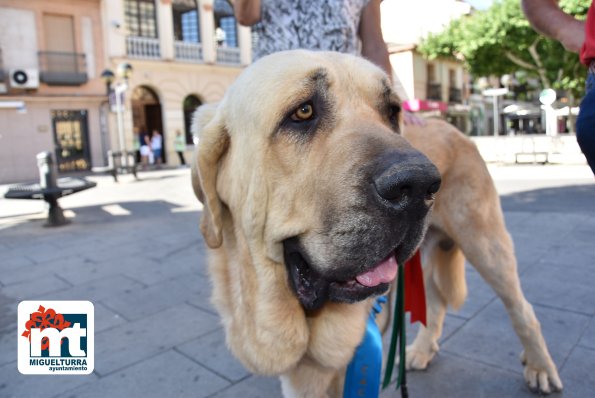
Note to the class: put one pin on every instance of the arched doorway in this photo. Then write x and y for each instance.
(146, 113)
(191, 102)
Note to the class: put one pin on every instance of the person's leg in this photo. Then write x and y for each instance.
(585, 124)
(158, 156)
(182, 160)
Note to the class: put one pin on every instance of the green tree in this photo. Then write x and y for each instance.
(500, 41)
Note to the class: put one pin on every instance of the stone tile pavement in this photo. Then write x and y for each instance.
(134, 250)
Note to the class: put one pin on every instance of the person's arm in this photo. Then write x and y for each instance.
(247, 12)
(370, 33)
(374, 49)
(547, 18)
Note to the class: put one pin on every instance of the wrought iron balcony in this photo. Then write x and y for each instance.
(434, 92)
(62, 68)
(455, 95)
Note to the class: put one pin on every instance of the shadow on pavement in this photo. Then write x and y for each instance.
(87, 215)
(571, 199)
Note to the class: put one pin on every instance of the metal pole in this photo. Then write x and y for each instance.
(120, 88)
(496, 121)
(551, 121)
(48, 183)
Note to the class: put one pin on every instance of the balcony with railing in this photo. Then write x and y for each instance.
(455, 95)
(188, 51)
(228, 55)
(434, 92)
(142, 47)
(62, 68)
(184, 51)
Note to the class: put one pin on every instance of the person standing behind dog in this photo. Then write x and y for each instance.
(330, 25)
(180, 146)
(347, 26)
(578, 36)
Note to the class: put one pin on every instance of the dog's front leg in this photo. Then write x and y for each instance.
(307, 380)
(335, 332)
(444, 278)
(425, 346)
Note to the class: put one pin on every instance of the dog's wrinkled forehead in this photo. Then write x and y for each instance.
(275, 83)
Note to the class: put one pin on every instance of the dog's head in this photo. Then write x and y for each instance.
(304, 158)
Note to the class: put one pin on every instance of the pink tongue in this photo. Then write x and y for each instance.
(382, 273)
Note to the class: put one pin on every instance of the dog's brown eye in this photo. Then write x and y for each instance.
(304, 112)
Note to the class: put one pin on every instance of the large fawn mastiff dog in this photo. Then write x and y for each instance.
(313, 193)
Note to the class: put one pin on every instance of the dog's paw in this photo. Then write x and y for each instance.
(541, 379)
(418, 358)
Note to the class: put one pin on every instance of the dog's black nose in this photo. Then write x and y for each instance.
(411, 179)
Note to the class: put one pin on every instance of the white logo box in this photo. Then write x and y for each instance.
(80, 362)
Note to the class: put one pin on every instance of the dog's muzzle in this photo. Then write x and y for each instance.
(363, 256)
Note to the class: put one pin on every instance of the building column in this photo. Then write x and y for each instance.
(165, 23)
(114, 28)
(245, 43)
(207, 30)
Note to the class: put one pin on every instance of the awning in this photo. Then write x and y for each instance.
(425, 105)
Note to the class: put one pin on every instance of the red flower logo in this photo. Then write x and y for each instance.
(43, 319)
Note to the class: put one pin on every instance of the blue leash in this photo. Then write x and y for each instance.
(362, 379)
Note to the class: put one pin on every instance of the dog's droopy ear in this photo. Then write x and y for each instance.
(212, 144)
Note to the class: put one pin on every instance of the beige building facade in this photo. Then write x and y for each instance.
(182, 52)
(433, 87)
(53, 54)
(50, 91)
(437, 87)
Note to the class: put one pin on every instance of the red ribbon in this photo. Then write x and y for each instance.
(415, 293)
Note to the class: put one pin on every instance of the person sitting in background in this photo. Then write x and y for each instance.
(578, 36)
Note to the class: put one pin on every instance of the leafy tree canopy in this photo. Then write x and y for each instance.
(500, 41)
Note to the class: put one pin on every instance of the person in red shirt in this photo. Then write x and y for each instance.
(578, 36)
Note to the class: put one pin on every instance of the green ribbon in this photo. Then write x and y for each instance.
(399, 335)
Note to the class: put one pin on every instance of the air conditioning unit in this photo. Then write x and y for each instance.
(24, 78)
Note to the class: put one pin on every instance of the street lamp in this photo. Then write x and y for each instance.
(108, 77)
(124, 71)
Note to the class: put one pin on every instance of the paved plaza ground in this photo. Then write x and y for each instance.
(134, 249)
